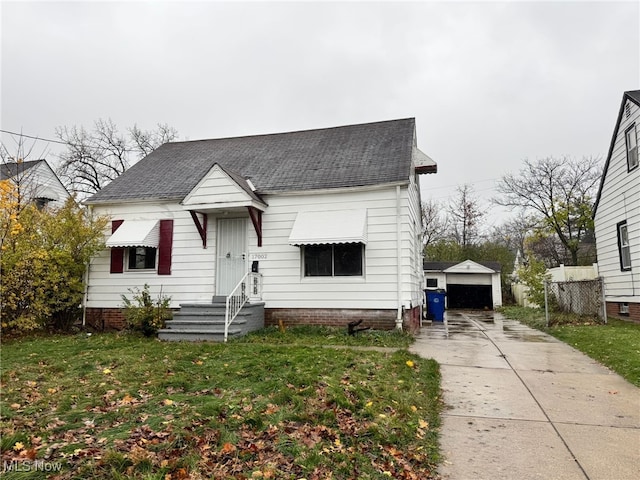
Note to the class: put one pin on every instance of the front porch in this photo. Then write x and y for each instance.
(206, 322)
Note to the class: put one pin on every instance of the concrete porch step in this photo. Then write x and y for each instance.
(205, 322)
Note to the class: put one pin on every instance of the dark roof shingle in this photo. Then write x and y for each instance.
(440, 266)
(354, 155)
(9, 170)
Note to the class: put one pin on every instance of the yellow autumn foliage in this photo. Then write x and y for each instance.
(44, 253)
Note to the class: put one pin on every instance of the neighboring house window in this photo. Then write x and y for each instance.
(141, 258)
(432, 283)
(631, 138)
(623, 246)
(333, 260)
(623, 308)
(41, 203)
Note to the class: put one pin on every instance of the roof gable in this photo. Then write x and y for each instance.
(634, 97)
(467, 266)
(353, 155)
(220, 188)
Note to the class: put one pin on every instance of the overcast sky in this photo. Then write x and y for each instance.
(489, 83)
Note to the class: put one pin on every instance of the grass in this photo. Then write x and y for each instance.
(120, 406)
(616, 344)
(319, 336)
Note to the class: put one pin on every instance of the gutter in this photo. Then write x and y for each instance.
(398, 260)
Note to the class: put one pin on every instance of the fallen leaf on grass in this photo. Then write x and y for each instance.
(228, 448)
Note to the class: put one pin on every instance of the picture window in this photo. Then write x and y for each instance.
(340, 260)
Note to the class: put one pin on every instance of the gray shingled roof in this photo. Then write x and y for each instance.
(354, 155)
(9, 170)
(440, 266)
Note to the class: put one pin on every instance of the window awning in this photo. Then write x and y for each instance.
(329, 227)
(46, 193)
(136, 233)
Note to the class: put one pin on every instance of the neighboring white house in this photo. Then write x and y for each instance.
(617, 214)
(36, 181)
(468, 284)
(330, 218)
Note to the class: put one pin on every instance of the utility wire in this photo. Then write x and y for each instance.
(35, 138)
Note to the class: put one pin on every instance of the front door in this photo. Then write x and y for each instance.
(231, 254)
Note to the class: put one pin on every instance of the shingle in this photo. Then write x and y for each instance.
(9, 170)
(440, 266)
(354, 155)
(635, 95)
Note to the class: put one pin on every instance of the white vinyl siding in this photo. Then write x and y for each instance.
(619, 201)
(192, 276)
(285, 286)
(192, 267)
(217, 188)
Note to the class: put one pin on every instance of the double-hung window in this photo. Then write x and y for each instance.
(631, 141)
(142, 258)
(623, 246)
(337, 260)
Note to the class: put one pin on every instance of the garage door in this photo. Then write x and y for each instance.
(469, 296)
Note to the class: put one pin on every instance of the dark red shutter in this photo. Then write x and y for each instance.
(117, 254)
(164, 249)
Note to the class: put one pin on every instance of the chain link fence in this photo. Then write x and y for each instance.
(584, 298)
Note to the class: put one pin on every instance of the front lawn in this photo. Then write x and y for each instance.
(118, 406)
(317, 335)
(616, 344)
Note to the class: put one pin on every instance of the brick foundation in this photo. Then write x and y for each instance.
(340, 317)
(613, 310)
(103, 319)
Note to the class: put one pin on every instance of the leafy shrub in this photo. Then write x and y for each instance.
(43, 258)
(144, 314)
(533, 275)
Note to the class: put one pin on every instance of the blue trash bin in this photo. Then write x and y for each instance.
(435, 304)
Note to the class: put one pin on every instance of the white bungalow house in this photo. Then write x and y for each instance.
(617, 214)
(36, 182)
(316, 227)
(468, 284)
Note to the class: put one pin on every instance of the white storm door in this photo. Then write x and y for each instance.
(231, 254)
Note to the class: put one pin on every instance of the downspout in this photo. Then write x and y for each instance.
(85, 296)
(398, 259)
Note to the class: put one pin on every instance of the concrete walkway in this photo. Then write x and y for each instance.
(522, 405)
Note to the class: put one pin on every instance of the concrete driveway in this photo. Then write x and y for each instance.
(522, 405)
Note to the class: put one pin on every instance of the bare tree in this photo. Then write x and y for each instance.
(95, 158)
(558, 190)
(434, 223)
(514, 232)
(466, 216)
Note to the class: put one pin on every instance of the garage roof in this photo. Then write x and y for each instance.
(434, 266)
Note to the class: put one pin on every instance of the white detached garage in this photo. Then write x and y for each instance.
(469, 284)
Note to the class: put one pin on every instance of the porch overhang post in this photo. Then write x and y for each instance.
(256, 219)
(201, 226)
